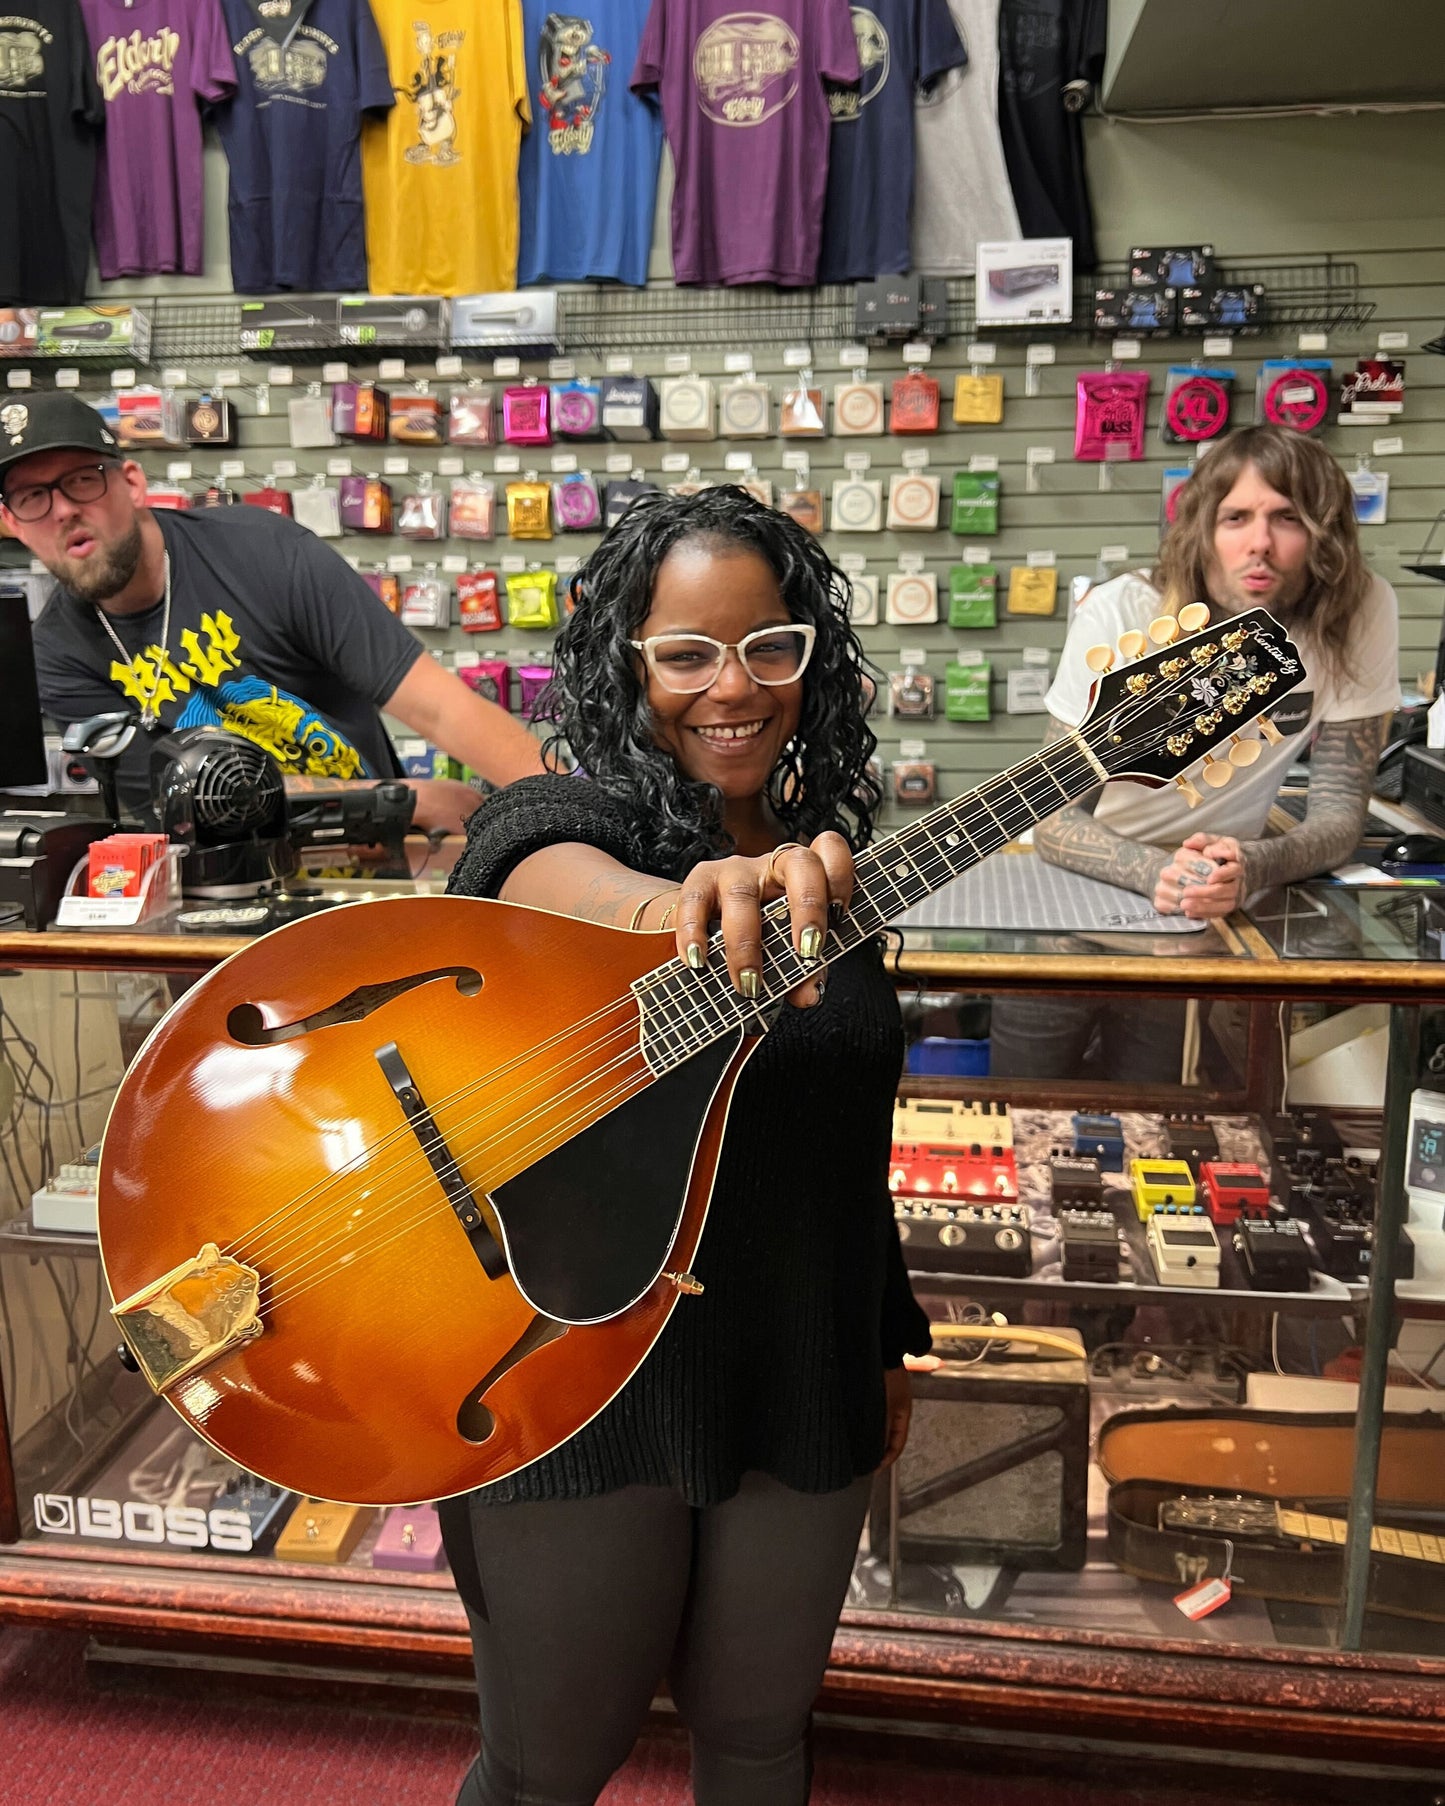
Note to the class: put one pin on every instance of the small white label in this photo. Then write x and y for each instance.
(566, 566)
(454, 563)
(1220, 347)
(562, 369)
(1394, 341)
(279, 376)
(853, 357)
(399, 561)
(619, 363)
(67, 379)
(798, 461)
(853, 564)
(1123, 349)
(968, 655)
(179, 471)
(1387, 448)
(392, 370)
(677, 363)
(122, 379)
(17, 379)
(917, 351)
(450, 467)
(910, 563)
(1040, 354)
(1314, 341)
(738, 461)
(507, 464)
(739, 362)
(1041, 561)
(798, 357)
(1297, 395)
(38, 568)
(449, 366)
(1040, 454)
(619, 464)
(675, 461)
(227, 379)
(564, 461)
(1113, 554)
(913, 749)
(975, 554)
(338, 467)
(514, 564)
(981, 354)
(394, 467)
(982, 463)
(284, 467)
(336, 373)
(506, 366)
(915, 459)
(173, 378)
(1199, 1601)
(233, 467)
(911, 655)
(855, 461)
(1036, 655)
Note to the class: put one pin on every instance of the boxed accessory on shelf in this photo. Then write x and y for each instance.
(290, 323)
(629, 407)
(1024, 282)
(1235, 307)
(1150, 313)
(912, 599)
(913, 498)
(1171, 266)
(478, 603)
(745, 409)
(915, 782)
(416, 420)
(525, 321)
(1111, 412)
(805, 506)
(392, 320)
(857, 505)
(1294, 393)
(359, 410)
(471, 416)
(687, 408)
(210, 420)
(802, 413)
(890, 308)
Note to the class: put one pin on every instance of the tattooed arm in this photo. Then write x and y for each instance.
(1074, 840)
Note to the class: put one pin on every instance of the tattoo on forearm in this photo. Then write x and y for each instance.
(1074, 840)
(613, 899)
(1342, 776)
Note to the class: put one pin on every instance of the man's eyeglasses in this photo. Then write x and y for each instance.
(86, 483)
(688, 662)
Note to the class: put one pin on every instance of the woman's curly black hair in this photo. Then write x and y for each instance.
(597, 699)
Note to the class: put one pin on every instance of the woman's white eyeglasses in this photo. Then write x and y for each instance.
(686, 662)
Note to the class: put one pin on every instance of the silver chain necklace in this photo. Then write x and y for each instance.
(150, 715)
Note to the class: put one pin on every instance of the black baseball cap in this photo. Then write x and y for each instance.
(58, 422)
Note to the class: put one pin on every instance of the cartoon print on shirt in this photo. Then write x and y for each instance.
(138, 65)
(745, 67)
(874, 57)
(434, 94)
(22, 60)
(574, 79)
(297, 737)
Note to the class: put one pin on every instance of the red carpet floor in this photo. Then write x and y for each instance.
(67, 1741)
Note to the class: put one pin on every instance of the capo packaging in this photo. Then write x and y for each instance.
(210, 420)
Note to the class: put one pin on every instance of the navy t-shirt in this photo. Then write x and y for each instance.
(307, 71)
(903, 46)
(588, 167)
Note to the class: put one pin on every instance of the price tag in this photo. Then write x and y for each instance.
(1394, 341)
(232, 467)
(335, 373)
(179, 471)
(507, 463)
(172, 378)
(1199, 1601)
(122, 379)
(1041, 561)
(564, 461)
(855, 461)
(450, 467)
(676, 461)
(853, 357)
(975, 554)
(280, 376)
(910, 563)
(67, 379)
(394, 467)
(226, 379)
(982, 462)
(677, 363)
(1036, 655)
(566, 566)
(17, 379)
(1040, 454)
(1041, 354)
(1220, 347)
(853, 564)
(619, 464)
(399, 561)
(796, 460)
(981, 354)
(915, 459)
(284, 467)
(1387, 448)
(1298, 395)
(1113, 554)
(449, 366)
(798, 357)
(913, 749)
(1124, 349)
(1314, 341)
(338, 467)
(514, 564)
(561, 369)
(392, 370)
(454, 563)
(739, 362)
(738, 461)
(506, 366)
(917, 351)
(619, 363)
(969, 655)
(912, 655)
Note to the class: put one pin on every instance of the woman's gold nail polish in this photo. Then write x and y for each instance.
(748, 983)
(696, 955)
(810, 942)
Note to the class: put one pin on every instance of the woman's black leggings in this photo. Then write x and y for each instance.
(580, 1607)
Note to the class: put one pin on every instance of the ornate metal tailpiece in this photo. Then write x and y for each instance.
(189, 1316)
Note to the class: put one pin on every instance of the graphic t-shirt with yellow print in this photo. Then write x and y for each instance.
(440, 171)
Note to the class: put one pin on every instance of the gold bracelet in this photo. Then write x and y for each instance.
(638, 913)
(670, 912)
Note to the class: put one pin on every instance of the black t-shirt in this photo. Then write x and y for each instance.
(50, 114)
(1042, 45)
(272, 635)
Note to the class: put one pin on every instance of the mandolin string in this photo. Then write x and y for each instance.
(425, 1185)
(630, 1004)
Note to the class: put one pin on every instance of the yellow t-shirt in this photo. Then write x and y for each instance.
(440, 170)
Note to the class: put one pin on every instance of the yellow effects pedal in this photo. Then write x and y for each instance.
(1156, 1182)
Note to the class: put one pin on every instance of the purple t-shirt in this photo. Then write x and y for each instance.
(746, 115)
(157, 62)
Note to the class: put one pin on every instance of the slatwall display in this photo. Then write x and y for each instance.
(1090, 524)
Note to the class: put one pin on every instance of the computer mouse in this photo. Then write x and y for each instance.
(1415, 849)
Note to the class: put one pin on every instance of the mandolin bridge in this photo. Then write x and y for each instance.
(188, 1317)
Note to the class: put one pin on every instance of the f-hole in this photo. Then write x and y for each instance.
(474, 1421)
(247, 1024)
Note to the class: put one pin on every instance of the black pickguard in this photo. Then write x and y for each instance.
(588, 1227)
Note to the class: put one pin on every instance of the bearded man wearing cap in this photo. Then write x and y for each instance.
(234, 617)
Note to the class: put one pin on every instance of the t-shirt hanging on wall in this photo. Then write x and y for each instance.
(306, 70)
(50, 114)
(588, 171)
(158, 62)
(904, 46)
(1044, 44)
(746, 115)
(440, 171)
(961, 194)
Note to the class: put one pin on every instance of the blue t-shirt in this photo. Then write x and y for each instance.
(903, 46)
(307, 71)
(588, 173)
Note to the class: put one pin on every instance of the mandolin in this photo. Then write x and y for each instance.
(398, 1198)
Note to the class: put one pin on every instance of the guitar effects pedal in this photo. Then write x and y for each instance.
(923, 1170)
(1273, 1253)
(1184, 1246)
(1160, 1182)
(986, 1124)
(1075, 1179)
(266, 1506)
(1101, 1136)
(1191, 1138)
(1090, 1242)
(965, 1238)
(1233, 1189)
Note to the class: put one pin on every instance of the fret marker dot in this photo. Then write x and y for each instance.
(900, 871)
(952, 840)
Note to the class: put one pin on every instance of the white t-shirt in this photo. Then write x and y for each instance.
(1163, 817)
(961, 190)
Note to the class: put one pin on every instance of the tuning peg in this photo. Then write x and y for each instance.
(1188, 792)
(1242, 751)
(1270, 731)
(1099, 659)
(1193, 617)
(1132, 644)
(1164, 630)
(1216, 772)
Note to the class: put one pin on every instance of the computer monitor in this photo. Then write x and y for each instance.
(22, 738)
